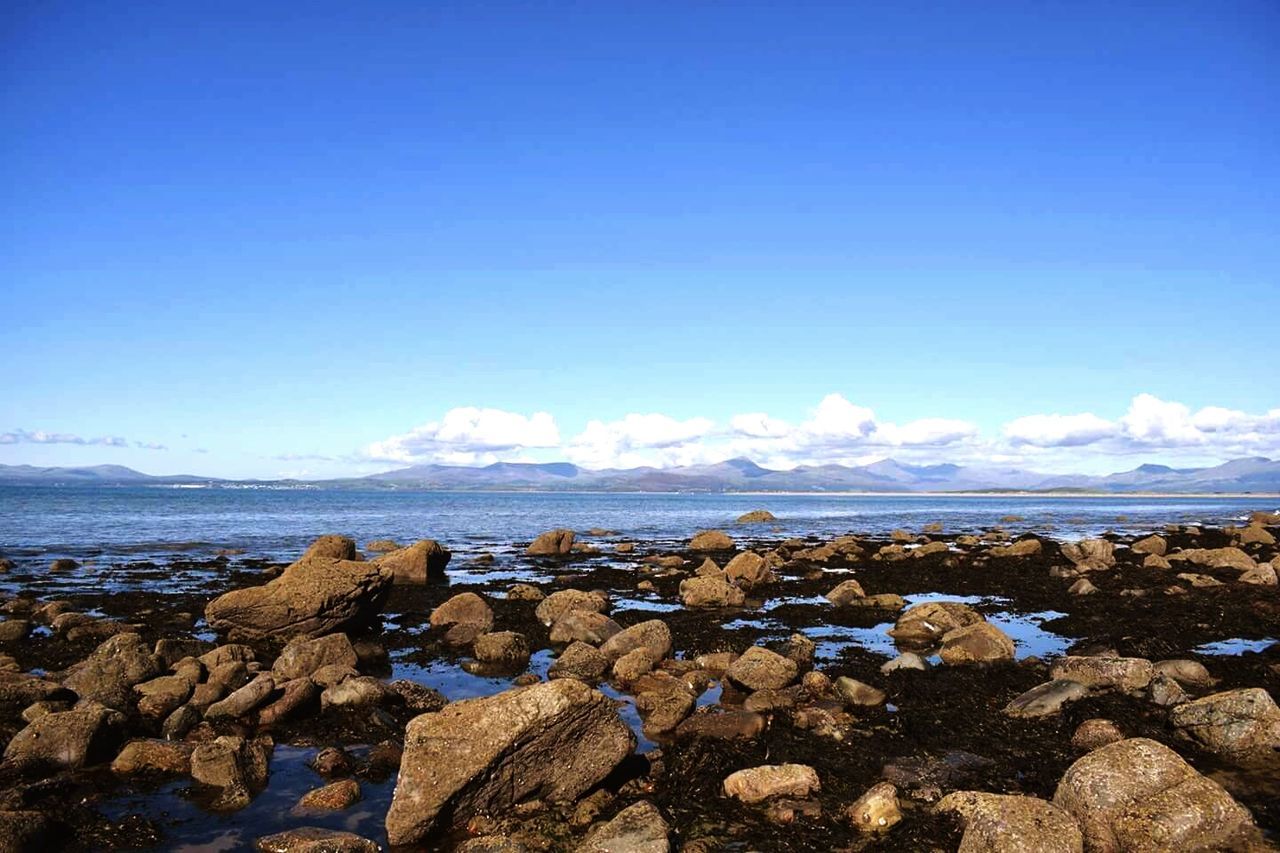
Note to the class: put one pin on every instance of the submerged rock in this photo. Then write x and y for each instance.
(554, 740)
(756, 516)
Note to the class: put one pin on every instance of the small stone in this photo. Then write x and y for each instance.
(877, 810)
(333, 797)
(756, 784)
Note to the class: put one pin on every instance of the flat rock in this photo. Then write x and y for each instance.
(314, 839)
(639, 828)
(1105, 673)
(1045, 699)
(756, 784)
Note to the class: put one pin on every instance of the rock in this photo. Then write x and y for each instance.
(1090, 554)
(1094, 733)
(160, 697)
(800, 649)
(417, 697)
(709, 569)
(1262, 574)
(581, 661)
(524, 592)
(710, 592)
(764, 701)
(225, 654)
(632, 665)
(711, 540)
(297, 698)
(1105, 673)
(180, 722)
(1021, 548)
(25, 832)
(1200, 581)
(906, 660)
(653, 635)
(1254, 534)
(557, 740)
(110, 672)
(554, 607)
(759, 668)
(1165, 691)
(417, 563)
(998, 823)
(360, 692)
(303, 656)
(1215, 558)
(312, 597)
(502, 647)
(854, 692)
(1082, 587)
(12, 630)
(1235, 724)
(332, 547)
(553, 543)
(722, 724)
(63, 564)
(929, 549)
(585, 626)
(1152, 545)
(244, 700)
(382, 546)
(314, 839)
(756, 784)
(639, 828)
(153, 757)
(235, 767)
(464, 617)
(877, 810)
(748, 570)
(980, 642)
(333, 797)
(1188, 673)
(1139, 795)
(1045, 699)
(845, 593)
(663, 710)
(756, 516)
(923, 625)
(67, 740)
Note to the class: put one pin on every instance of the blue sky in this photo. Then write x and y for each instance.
(338, 238)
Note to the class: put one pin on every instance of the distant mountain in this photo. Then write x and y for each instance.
(1256, 474)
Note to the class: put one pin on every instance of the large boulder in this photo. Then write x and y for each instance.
(317, 595)
(653, 635)
(923, 625)
(110, 672)
(759, 668)
(417, 563)
(996, 823)
(557, 604)
(748, 570)
(756, 516)
(332, 547)
(1090, 554)
(553, 543)
(551, 741)
(1154, 544)
(711, 540)
(303, 656)
(463, 618)
(585, 626)
(710, 592)
(978, 643)
(66, 740)
(1236, 724)
(1138, 795)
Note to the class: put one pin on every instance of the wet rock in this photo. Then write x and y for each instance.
(709, 569)
(1094, 733)
(553, 543)
(930, 548)
(1165, 691)
(502, 647)
(236, 768)
(1253, 534)
(845, 593)
(639, 828)
(332, 763)
(333, 797)
(877, 810)
(1139, 795)
(63, 564)
(1155, 561)
(756, 516)
(1045, 699)
(314, 596)
(585, 626)
(1082, 587)
(12, 630)
(653, 635)
(332, 547)
(463, 618)
(153, 757)
(298, 698)
(980, 642)
(1235, 724)
(748, 570)
(382, 546)
(759, 668)
(710, 591)
(491, 844)
(1215, 558)
(555, 606)
(226, 654)
(1105, 673)
(632, 665)
(244, 700)
(524, 592)
(722, 724)
(160, 697)
(67, 740)
(1021, 548)
(756, 784)
(417, 563)
(925, 777)
(110, 672)
(663, 710)
(1188, 673)
(303, 656)
(180, 722)
(580, 661)
(558, 739)
(996, 823)
(855, 692)
(923, 625)
(1090, 555)
(800, 649)
(711, 540)
(764, 701)
(360, 692)
(1154, 544)
(314, 839)
(906, 660)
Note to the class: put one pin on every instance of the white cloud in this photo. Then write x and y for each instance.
(637, 440)
(759, 425)
(469, 435)
(1059, 430)
(23, 436)
(1153, 421)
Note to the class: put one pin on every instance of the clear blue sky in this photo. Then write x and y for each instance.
(261, 230)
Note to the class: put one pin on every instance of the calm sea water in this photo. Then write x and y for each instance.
(151, 522)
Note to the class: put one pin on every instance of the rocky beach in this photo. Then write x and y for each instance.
(736, 689)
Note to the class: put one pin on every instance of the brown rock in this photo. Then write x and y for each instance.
(502, 647)
(1105, 673)
(585, 626)
(303, 656)
(553, 543)
(748, 570)
(980, 642)
(711, 540)
(759, 668)
(997, 823)
(710, 591)
(877, 810)
(417, 563)
(554, 607)
(464, 617)
(1235, 724)
(756, 784)
(333, 797)
(653, 635)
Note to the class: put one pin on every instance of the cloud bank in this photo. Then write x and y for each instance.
(840, 431)
(23, 436)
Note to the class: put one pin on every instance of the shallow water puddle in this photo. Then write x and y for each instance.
(1235, 646)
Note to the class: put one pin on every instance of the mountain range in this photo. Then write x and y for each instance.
(1255, 474)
